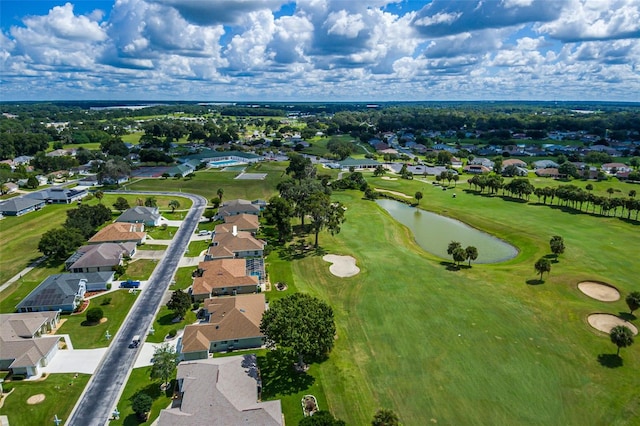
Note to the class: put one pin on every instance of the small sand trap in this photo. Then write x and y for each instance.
(599, 291)
(342, 266)
(399, 194)
(35, 399)
(388, 178)
(605, 322)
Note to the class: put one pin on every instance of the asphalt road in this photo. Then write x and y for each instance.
(97, 402)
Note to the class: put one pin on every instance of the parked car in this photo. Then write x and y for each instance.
(130, 284)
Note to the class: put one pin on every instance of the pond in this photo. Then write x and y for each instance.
(434, 232)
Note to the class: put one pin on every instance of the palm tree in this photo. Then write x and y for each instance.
(174, 204)
(542, 265)
(220, 193)
(99, 195)
(557, 245)
(633, 301)
(418, 196)
(472, 253)
(610, 191)
(385, 417)
(621, 336)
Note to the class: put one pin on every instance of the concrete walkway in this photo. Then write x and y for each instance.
(190, 261)
(22, 273)
(83, 361)
(145, 357)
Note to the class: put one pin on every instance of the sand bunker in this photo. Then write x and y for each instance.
(342, 266)
(599, 291)
(389, 178)
(35, 399)
(399, 194)
(605, 322)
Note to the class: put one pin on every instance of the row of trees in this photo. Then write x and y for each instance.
(460, 254)
(81, 223)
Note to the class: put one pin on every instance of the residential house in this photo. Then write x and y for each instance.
(456, 162)
(59, 195)
(10, 187)
(150, 216)
(476, 169)
(236, 207)
(99, 257)
(19, 206)
(479, 161)
(63, 292)
(235, 244)
(232, 322)
(223, 277)
(360, 163)
(120, 233)
(221, 392)
(545, 164)
(548, 172)
(513, 162)
(24, 346)
(613, 168)
(244, 222)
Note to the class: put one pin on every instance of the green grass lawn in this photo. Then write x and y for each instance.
(140, 269)
(196, 247)
(182, 278)
(479, 345)
(140, 382)
(93, 336)
(61, 391)
(161, 232)
(164, 323)
(152, 247)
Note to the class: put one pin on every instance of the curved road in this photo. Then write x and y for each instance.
(105, 387)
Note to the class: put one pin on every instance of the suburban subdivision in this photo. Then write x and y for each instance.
(321, 264)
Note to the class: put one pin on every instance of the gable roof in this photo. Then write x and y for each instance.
(221, 392)
(27, 352)
(96, 255)
(139, 214)
(514, 162)
(120, 232)
(232, 317)
(23, 325)
(234, 207)
(222, 273)
(227, 244)
(243, 221)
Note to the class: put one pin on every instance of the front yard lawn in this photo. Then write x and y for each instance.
(161, 232)
(61, 391)
(140, 382)
(182, 278)
(140, 269)
(89, 337)
(164, 323)
(197, 247)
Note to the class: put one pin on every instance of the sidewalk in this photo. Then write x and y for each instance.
(22, 273)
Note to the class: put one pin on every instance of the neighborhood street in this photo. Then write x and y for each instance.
(96, 404)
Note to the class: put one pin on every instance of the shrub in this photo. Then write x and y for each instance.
(106, 301)
(173, 332)
(109, 286)
(196, 305)
(94, 315)
(7, 387)
(141, 404)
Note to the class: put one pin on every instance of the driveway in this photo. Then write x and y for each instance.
(83, 361)
(145, 356)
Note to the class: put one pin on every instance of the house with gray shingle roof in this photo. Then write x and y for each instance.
(63, 291)
(239, 206)
(150, 216)
(99, 257)
(19, 206)
(24, 344)
(221, 392)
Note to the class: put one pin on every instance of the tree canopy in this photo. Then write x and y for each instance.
(278, 213)
(179, 303)
(621, 336)
(542, 265)
(385, 417)
(557, 245)
(325, 214)
(302, 323)
(633, 301)
(59, 243)
(165, 359)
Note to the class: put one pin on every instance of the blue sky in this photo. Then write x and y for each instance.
(320, 50)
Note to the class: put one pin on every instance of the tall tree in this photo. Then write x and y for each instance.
(59, 243)
(220, 193)
(472, 253)
(621, 336)
(121, 204)
(174, 204)
(453, 245)
(279, 213)
(542, 265)
(385, 417)
(302, 323)
(151, 202)
(557, 245)
(165, 359)
(99, 195)
(325, 214)
(141, 405)
(633, 301)
(179, 303)
(459, 255)
(300, 167)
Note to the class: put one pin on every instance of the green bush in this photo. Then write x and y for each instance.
(7, 387)
(106, 301)
(94, 315)
(173, 332)
(109, 286)
(196, 305)
(141, 404)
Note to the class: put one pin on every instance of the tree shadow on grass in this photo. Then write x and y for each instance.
(168, 319)
(450, 266)
(537, 281)
(279, 376)
(626, 316)
(610, 360)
